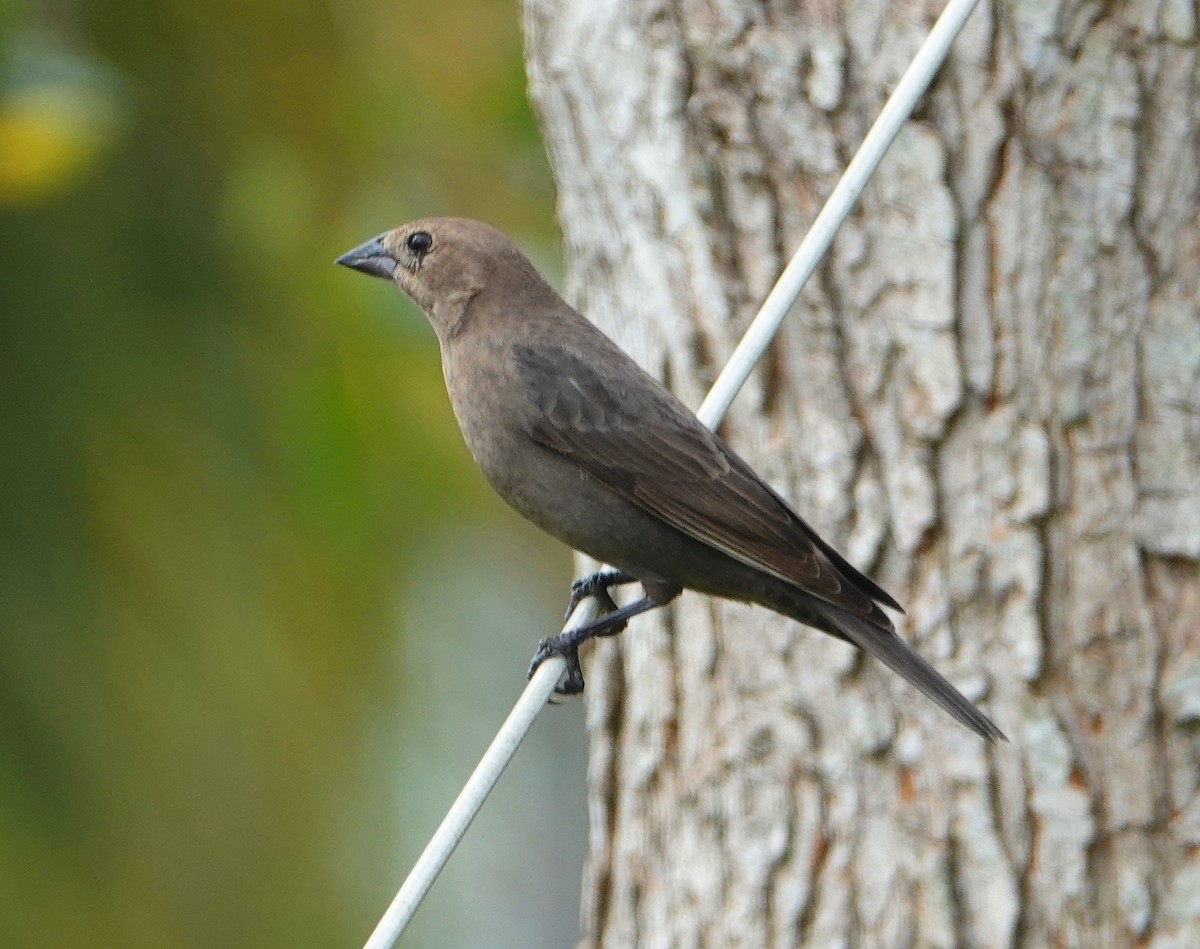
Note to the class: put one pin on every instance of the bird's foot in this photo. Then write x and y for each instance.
(597, 585)
(566, 644)
(571, 682)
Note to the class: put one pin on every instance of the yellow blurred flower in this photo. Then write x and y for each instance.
(51, 134)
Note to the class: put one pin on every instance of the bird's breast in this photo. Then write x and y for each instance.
(489, 403)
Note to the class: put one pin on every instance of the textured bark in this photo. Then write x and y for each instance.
(989, 398)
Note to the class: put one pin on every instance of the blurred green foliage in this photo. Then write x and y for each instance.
(258, 613)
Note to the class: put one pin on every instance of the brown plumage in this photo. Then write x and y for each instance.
(579, 439)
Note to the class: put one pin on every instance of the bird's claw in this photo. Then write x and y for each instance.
(572, 681)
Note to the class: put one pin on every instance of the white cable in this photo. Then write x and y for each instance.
(787, 288)
(470, 799)
(467, 804)
(749, 351)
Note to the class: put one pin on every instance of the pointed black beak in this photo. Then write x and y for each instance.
(371, 258)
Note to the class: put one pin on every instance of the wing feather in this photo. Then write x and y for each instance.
(644, 444)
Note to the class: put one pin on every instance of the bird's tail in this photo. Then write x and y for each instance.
(883, 643)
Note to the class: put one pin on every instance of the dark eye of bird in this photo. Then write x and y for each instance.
(419, 242)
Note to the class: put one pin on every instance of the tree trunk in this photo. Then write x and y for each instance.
(988, 398)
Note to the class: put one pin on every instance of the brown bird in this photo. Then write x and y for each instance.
(575, 436)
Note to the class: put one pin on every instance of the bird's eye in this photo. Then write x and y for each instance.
(419, 242)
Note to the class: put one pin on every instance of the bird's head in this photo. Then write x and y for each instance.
(444, 265)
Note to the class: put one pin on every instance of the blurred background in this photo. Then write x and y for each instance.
(259, 615)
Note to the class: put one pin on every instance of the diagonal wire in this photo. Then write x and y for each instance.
(745, 357)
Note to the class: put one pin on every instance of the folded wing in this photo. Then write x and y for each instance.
(643, 443)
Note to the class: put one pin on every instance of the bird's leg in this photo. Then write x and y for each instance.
(597, 584)
(567, 644)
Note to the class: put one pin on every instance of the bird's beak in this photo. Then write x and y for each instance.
(371, 258)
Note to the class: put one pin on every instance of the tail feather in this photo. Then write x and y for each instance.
(892, 651)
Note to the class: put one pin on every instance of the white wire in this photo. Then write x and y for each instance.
(467, 804)
(470, 799)
(749, 351)
(787, 288)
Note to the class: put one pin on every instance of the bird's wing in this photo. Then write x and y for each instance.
(628, 432)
